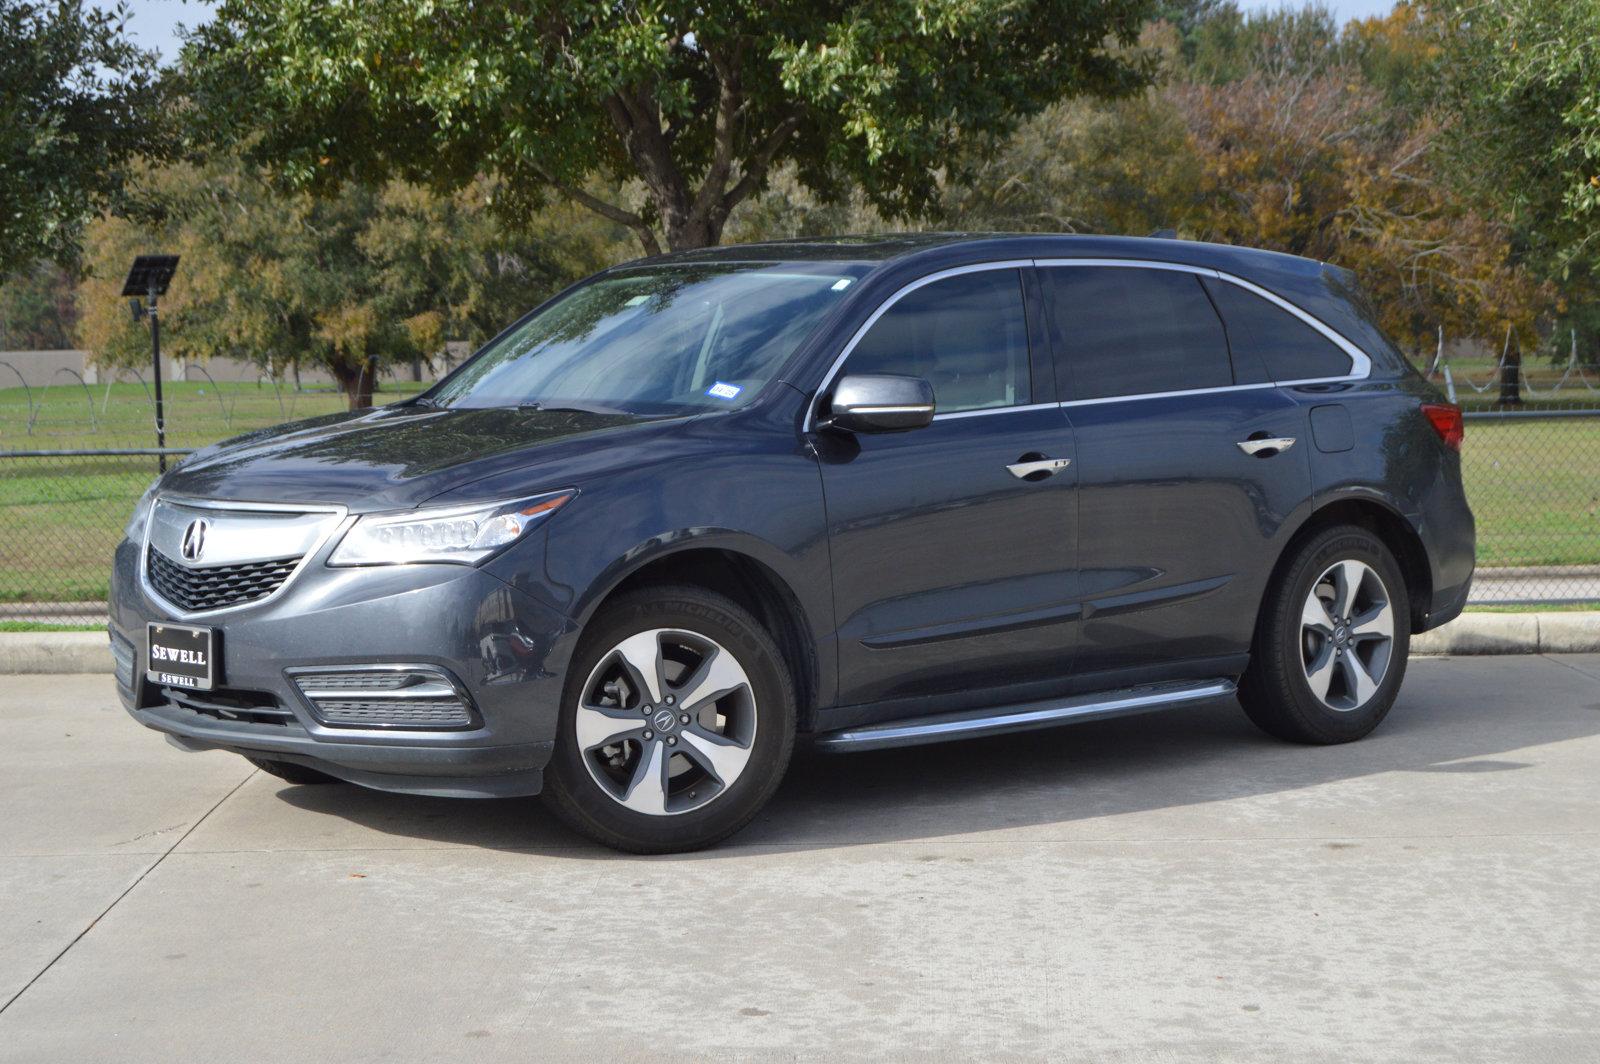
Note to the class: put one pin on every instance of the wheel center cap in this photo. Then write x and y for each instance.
(664, 720)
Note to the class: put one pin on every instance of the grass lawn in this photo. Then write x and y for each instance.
(1533, 484)
(61, 518)
(40, 626)
(67, 415)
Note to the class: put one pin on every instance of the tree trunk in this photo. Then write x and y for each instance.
(1511, 376)
(356, 382)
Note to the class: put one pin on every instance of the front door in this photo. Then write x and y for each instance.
(953, 576)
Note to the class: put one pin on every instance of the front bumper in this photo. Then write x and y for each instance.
(506, 650)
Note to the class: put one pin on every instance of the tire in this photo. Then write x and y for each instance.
(614, 777)
(291, 772)
(1312, 677)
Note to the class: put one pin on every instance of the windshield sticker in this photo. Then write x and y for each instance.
(842, 283)
(636, 300)
(724, 391)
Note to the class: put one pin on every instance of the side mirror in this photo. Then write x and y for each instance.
(879, 402)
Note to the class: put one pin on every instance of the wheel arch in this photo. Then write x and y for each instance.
(753, 584)
(1383, 520)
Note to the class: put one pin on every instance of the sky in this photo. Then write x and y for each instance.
(154, 23)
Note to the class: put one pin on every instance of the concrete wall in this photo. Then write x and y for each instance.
(39, 369)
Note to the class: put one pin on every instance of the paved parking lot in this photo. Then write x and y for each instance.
(1168, 888)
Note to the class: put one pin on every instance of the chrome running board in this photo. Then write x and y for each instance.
(971, 723)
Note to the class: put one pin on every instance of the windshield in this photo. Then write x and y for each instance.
(655, 340)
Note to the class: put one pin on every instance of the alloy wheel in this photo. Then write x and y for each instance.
(666, 721)
(1346, 635)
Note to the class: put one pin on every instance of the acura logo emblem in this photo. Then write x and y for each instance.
(194, 539)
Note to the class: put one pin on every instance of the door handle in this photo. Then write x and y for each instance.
(1271, 444)
(1030, 468)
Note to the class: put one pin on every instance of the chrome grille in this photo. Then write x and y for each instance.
(207, 555)
(384, 696)
(410, 713)
(369, 680)
(216, 587)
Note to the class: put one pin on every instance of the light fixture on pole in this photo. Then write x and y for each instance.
(148, 278)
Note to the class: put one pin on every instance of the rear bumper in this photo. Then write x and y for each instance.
(507, 651)
(1449, 536)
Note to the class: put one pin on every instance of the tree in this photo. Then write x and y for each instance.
(78, 101)
(693, 104)
(351, 283)
(1273, 136)
(36, 310)
(1525, 141)
(1088, 166)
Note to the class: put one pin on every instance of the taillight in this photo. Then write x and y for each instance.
(1446, 421)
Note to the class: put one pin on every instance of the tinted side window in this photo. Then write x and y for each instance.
(1265, 335)
(1131, 331)
(966, 335)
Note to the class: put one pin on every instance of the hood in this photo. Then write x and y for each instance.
(400, 456)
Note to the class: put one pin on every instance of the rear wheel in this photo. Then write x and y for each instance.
(1331, 643)
(288, 770)
(677, 723)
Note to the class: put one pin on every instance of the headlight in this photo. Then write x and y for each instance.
(465, 535)
(141, 513)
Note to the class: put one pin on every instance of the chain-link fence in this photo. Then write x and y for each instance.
(61, 515)
(1533, 479)
(67, 412)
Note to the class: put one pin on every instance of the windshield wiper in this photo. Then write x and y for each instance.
(568, 408)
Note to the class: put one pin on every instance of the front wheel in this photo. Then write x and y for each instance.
(676, 725)
(1331, 643)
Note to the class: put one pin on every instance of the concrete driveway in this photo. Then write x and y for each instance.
(1167, 888)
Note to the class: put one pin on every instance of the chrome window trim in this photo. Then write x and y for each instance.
(341, 522)
(1169, 395)
(833, 371)
(987, 411)
(1360, 361)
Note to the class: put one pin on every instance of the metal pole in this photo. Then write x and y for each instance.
(155, 348)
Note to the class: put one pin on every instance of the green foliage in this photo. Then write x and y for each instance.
(1523, 82)
(1524, 78)
(1231, 43)
(351, 283)
(77, 102)
(1273, 136)
(36, 310)
(696, 104)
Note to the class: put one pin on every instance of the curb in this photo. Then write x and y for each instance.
(1471, 633)
(1513, 633)
(54, 652)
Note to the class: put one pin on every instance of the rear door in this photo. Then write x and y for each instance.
(953, 575)
(1182, 497)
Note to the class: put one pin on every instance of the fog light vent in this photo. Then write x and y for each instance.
(122, 662)
(385, 696)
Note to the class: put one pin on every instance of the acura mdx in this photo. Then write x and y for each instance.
(877, 492)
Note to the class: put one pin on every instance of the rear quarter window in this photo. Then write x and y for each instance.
(1267, 342)
(1125, 330)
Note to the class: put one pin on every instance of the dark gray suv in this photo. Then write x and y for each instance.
(879, 491)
